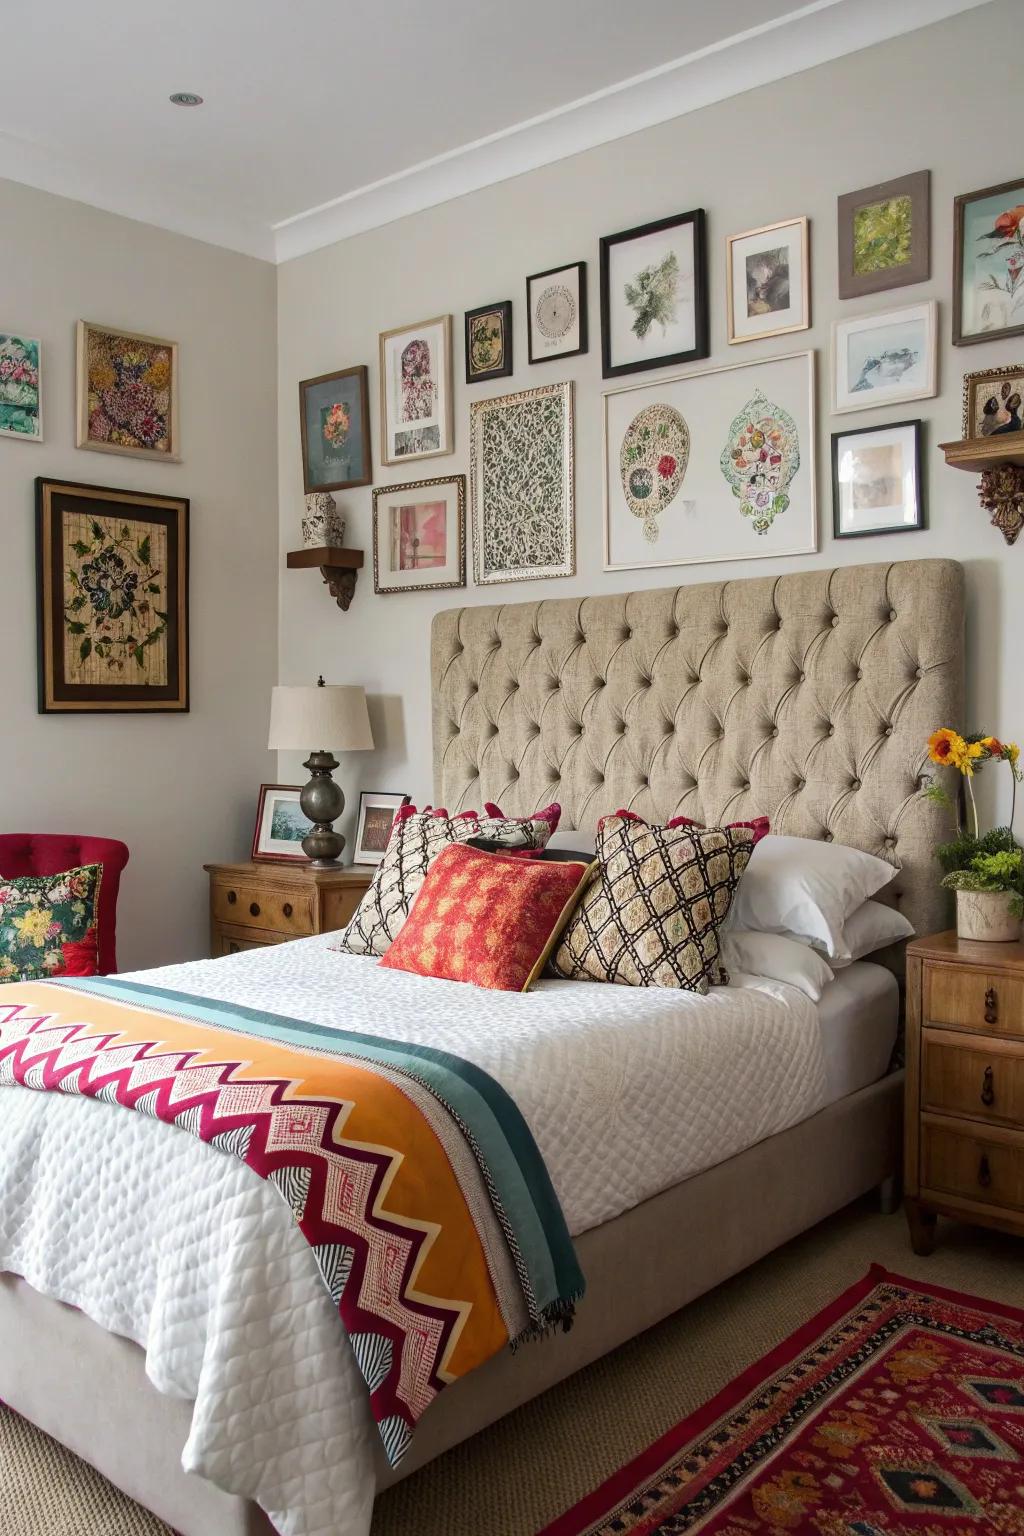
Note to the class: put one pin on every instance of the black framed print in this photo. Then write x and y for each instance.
(489, 342)
(556, 312)
(654, 295)
(877, 484)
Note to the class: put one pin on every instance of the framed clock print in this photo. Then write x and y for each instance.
(556, 309)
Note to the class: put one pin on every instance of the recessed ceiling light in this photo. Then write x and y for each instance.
(186, 99)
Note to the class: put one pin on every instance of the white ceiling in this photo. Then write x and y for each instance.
(323, 117)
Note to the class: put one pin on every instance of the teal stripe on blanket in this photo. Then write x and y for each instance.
(510, 1160)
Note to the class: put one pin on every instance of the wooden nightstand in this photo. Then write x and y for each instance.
(253, 904)
(964, 1129)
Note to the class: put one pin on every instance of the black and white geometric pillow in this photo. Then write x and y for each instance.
(417, 838)
(651, 918)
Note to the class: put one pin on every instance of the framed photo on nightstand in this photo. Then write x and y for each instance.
(377, 812)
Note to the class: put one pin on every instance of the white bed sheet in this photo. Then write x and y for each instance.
(186, 1251)
(859, 1017)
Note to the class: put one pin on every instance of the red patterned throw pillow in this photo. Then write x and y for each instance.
(48, 925)
(760, 826)
(487, 918)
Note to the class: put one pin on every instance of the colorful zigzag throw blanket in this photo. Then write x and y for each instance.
(411, 1173)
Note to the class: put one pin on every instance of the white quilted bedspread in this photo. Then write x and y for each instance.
(178, 1246)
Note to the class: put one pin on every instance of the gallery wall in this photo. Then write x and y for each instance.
(180, 790)
(787, 149)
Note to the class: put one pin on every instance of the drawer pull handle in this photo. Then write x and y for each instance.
(988, 1092)
(991, 1005)
(984, 1172)
(287, 909)
(232, 898)
(254, 909)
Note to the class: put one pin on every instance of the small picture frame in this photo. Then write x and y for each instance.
(377, 812)
(416, 417)
(419, 535)
(280, 826)
(992, 402)
(127, 393)
(654, 295)
(877, 480)
(988, 264)
(884, 359)
(885, 235)
(489, 342)
(768, 281)
(556, 312)
(334, 422)
(21, 387)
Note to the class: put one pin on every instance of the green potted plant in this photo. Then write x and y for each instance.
(986, 870)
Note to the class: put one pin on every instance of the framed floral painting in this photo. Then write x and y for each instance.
(419, 535)
(334, 420)
(885, 236)
(489, 342)
(654, 296)
(988, 264)
(416, 420)
(112, 600)
(127, 393)
(21, 389)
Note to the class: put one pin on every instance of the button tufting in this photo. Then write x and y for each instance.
(827, 838)
(860, 675)
(888, 730)
(831, 730)
(802, 678)
(745, 784)
(919, 672)
(801, 783)
(775, 731)
(890, 842)
(892, 615)
(855, 783)
(835, 621)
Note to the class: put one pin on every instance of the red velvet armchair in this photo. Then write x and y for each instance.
(50, 853)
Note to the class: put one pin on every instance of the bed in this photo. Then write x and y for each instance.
(807, 697)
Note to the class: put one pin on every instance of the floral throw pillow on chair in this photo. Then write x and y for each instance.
(48, 925)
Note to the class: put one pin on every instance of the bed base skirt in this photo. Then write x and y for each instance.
(88, 1388)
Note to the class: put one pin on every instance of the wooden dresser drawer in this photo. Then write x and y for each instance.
(251, 905)
(980, 1164)
(990, 1001)
(983, 1080)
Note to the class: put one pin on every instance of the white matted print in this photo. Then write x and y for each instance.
(654, 302)
(419, 535)
(768, 281)
(725, 456)
(876, 480)
(280, 826)
(377, 812)
(416, 391)
(522, 485)
(884, 359)
(556, 312)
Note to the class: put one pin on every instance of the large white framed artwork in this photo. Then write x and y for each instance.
(521, 477)
(717, 464)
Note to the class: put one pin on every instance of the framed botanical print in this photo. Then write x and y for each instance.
(556, 310)
(877, 481)
(112, 601)
(768, 281)
(992, 402)
(988, 264)
(416, 419)
(127, 393)
(377, 812)
(884, 359)
(280, 826)
(334, 421)
(885, 236)
(21, 388)
(654, 298)
(522, 485)
(489, 342)
(419, 535)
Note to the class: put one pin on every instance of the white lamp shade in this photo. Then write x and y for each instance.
(332, 718)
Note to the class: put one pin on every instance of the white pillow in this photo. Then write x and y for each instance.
(871, 927)
(806, 889)
(773, 955)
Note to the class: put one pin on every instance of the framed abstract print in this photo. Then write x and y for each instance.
(280, 826)
(522, 485)
(654, 297)
(988, 264)
(992, 402)
(877, 484)
(419, 535)
(112, 600)
(489, 342)
(21, 388)
(717, 464)
(556, 312)
(334, 420)
(377, 811)
(416, 419)
(127, 393)
(885, 236)
(768, 281)
(884, 359)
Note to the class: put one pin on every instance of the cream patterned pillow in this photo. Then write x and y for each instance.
(651, 918)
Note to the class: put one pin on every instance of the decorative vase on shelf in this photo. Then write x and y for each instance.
(322, 524)
(988, 916)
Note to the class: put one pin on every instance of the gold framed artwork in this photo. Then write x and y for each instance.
(768, 281)
(992, 401)
(126, 393)
(112, 572)
(416, 419)
(419, 535)
(522, 485)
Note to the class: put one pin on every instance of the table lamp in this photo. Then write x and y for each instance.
(334, 713)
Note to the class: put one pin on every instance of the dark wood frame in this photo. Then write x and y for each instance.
(701, 347)
(867, 533)
(364, 403)
(580, 268)
(959, 205)
(459, 481)
(57, 696)
(272, 858)
(916, 186)
(504, 310)
(403, 799)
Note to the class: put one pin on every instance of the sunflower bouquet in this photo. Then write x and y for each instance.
(977, 861)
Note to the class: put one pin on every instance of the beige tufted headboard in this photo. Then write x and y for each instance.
(806, 697)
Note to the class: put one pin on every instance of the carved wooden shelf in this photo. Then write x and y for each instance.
(1000, 463)
(978, 453)
(338, 567)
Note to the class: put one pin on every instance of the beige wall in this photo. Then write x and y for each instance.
(177, 789)
(786, 149)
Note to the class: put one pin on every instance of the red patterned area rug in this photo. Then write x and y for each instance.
(897, 1411)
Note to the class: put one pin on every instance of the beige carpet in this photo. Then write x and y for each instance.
(518, 1475)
